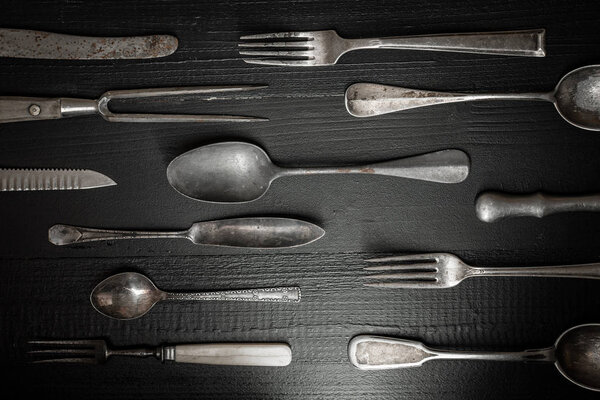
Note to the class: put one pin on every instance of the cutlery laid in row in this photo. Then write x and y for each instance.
(130, 295)
(444, 270)
(23, 43)
(576, 354)
(24, 179)
(21, 109)
(96, 351)
(575, 98)
(314, 48)
(260, 232)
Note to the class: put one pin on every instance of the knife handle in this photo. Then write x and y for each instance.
(249, 354)
(20, 109)
(494, 206)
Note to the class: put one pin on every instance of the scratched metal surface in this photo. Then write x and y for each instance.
(513, 146)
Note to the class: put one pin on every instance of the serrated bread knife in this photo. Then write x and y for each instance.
(22, 43)
(24, 180)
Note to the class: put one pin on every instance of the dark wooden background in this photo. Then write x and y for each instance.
(514, 146)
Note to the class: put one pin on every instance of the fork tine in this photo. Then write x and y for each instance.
(267, 61)
(298, 44)
(66, 360)
(408, 257)
(427, 276)
(87, 349)
(305, 35)
(67, 342)
(275, 53)
(404, 267)
(401, 285)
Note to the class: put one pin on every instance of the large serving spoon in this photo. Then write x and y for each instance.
(237, 172)
(576, 354)
(576, 97)
(261, 232)
(130, 295)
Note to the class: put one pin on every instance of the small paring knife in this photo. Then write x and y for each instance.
(26, 180)
(22, 43)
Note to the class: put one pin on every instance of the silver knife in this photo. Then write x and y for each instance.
(22, 43)
(17, 180)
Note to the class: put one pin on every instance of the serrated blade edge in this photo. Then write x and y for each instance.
(23, 180)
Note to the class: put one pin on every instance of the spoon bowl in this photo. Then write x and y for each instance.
(578, 355)
(577, 97)
(125, 296)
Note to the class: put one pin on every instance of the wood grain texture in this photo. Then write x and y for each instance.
(514, 146)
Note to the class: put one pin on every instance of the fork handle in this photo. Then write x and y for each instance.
(21, 109)
(247, 354)
(526, 43)
(494, 206)
(582, 271)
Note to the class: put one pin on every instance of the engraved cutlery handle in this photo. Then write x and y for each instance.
(527, 43)
(370, 99)
(493, 206)
(20, 109)
(61, 235)
(277, 294)
(247, 354)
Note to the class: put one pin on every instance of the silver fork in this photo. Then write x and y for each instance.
(326, 47)
(444, 270)
(96, 351)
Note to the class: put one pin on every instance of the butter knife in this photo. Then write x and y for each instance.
(22, 43)
(22, 180)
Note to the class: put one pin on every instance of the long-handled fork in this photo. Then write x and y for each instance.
(443, 270)
(21, 109)
(96, 351)
(326, 47)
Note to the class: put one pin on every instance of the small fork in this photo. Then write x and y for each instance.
(313, 48)
(444, 270)
(96, 351)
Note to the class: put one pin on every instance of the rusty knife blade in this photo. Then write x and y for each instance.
(24, 180)
(22, 43)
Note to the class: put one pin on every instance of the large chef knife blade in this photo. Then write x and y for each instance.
(17, 180)
(22, 43)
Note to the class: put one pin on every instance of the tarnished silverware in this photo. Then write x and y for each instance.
(22, 43)
(22, 179)
(96, 351)
(129, 295)
(575, 98)
(444, 270)
(326, 47)
(261, 232)
(20, 109)
(494, 206)
(237, 172)
(576, 354)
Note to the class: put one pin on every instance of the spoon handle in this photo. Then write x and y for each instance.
(277, 294)
(494, 206)
(61, 235)
(370, 99)
(445, 166)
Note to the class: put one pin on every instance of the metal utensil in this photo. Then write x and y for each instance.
(575, 98)
(326, 47)
(22, 180)
(129, 295)
(237, 232)
(576, 354)
(444, 270)
(22, 43)
(96, 351)
(20, 109)
(237, 172)
(494, 206)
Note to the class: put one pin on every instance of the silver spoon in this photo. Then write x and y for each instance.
(262, 232)
(576, 97)
(237, 172)
(130, 295)
(576, 354)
